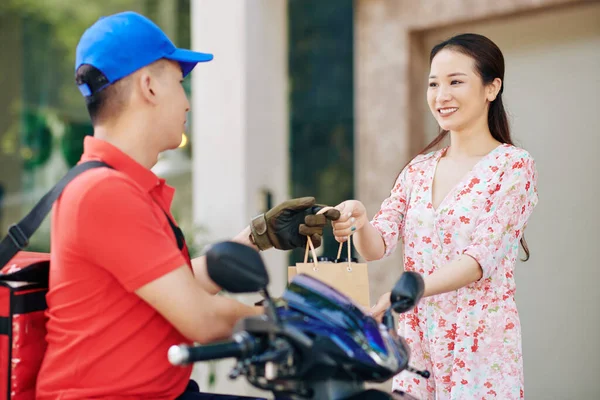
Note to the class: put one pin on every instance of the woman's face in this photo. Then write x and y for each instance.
(456, 95)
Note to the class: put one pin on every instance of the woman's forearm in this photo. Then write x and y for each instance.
(455, 275)
(369, 243)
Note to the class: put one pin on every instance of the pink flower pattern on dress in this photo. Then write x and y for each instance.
(469, 339)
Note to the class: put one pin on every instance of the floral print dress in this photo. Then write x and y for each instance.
(469, 339)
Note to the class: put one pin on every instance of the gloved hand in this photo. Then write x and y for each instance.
(287, 225)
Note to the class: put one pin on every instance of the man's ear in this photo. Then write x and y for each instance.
(147, 86)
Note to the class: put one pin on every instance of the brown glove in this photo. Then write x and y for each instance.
(287, 225)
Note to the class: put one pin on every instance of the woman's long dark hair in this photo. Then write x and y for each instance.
(489, 64)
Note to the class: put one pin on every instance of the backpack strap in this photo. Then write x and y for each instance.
(177, 231)
(19, 234)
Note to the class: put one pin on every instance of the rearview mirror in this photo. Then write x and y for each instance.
(407, 292)
(236, 268)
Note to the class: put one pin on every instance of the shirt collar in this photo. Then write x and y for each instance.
(97, 149)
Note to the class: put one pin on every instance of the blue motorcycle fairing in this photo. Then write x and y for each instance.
(321, 311)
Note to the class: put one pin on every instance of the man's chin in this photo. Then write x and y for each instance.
(172, 146)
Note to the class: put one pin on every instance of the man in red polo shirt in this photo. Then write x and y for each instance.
(121, 291)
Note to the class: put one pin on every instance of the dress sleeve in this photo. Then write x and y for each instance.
(389, 220)
(500, 227)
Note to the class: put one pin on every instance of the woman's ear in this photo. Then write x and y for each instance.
(493, 89)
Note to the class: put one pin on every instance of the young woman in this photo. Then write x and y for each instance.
(460, 212)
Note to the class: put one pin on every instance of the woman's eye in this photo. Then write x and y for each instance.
(455, 82)
(432, 84)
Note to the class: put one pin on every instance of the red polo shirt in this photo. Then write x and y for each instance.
(110, 236)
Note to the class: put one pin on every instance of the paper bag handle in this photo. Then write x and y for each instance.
(311, 247)
(349, 251)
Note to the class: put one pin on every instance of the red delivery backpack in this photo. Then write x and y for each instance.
(24, 280)
(23, 287)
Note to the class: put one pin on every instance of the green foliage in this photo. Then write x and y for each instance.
(37, 140)
(72, 141)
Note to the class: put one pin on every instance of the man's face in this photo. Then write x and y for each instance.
(172, 104)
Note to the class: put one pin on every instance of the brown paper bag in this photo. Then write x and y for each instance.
(350, 278)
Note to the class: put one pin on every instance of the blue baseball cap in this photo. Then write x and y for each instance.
(120, 44)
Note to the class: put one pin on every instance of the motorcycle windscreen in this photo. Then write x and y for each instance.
(320, 301)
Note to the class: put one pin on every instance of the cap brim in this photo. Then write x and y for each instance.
(188, 59)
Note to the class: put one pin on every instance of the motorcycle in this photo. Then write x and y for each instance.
(314, 342)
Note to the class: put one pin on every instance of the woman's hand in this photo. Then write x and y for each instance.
(380, 308)
(353, 216)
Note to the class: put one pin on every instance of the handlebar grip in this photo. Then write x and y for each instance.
(241, 345)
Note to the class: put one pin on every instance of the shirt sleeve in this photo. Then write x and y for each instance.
(120, 232)
(389, 220)
(499, 229)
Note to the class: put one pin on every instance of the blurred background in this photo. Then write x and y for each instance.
(327, 99)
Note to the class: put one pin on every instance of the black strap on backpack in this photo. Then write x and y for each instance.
(19, 234)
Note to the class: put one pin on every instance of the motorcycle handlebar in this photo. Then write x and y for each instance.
(242, 345)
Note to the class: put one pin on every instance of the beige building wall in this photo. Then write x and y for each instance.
(552, 52)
